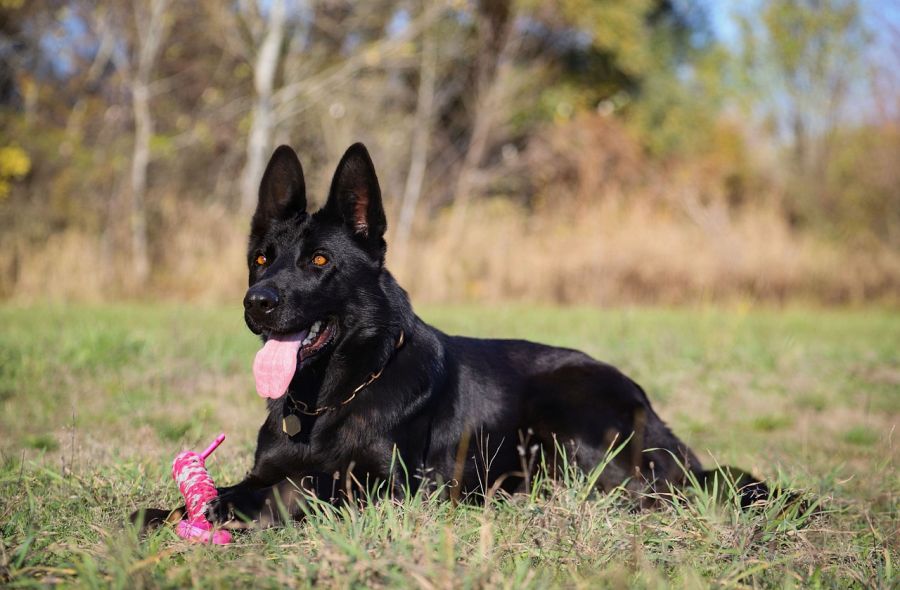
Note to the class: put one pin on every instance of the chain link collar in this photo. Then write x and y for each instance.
(292, 427)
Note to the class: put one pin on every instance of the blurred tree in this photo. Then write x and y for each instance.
(422, 130)
(653, 62)
(601, 49)
(801, 58)
(494, 20)
(678, 99)
(14, 164)
(18, 49)
(267, 28)
(151, 24)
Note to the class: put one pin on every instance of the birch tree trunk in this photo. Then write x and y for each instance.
(260, 138)
(415, 178)
(150, 31)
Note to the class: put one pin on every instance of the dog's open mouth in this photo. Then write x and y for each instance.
(276, 363)
(317, 337)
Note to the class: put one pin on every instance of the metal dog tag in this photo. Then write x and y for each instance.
(290, 424)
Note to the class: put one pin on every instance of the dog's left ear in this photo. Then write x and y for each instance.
(355, 197)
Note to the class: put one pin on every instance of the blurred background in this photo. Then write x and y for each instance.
(577, 151)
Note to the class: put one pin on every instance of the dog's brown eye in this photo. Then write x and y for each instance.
(260, 260)
(319, 260)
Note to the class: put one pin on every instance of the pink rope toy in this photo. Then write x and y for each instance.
(195, 484)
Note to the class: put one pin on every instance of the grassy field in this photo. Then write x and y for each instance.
(96, 402)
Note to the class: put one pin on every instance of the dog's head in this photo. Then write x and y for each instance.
(309, 273)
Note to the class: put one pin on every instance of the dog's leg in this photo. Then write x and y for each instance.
(244, 500)
(241, 507)
(240, 495)
(235, 507)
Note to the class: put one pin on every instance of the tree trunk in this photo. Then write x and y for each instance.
(140, 161)
(415, 178)
(150, 35)
(495, 19)
(260, 138)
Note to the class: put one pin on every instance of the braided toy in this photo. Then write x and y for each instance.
(195, 484)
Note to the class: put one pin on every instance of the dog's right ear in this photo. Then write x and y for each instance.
(282, 192)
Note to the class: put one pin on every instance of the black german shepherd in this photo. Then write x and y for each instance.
(357, 381)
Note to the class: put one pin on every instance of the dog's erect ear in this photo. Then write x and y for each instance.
(355, 197)
(282, 192)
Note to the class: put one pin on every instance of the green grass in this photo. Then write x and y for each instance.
(96, 402)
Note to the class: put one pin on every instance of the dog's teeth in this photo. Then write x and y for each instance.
(312, 334)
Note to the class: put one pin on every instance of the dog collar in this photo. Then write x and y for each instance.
(290, 424)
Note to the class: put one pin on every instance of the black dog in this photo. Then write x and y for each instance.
(377, 395)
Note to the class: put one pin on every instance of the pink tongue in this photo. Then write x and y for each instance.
(275, 364)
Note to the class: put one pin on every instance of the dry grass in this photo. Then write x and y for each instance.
(616, 254)
(607, 253)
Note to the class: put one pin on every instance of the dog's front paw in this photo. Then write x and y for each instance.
(219, 510)
(231, 506)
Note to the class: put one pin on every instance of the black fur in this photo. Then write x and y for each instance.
(456, 410)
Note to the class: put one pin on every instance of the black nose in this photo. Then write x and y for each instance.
(260, 300)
